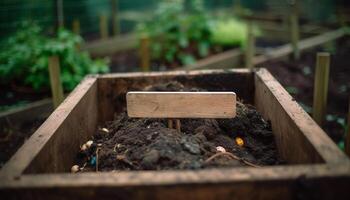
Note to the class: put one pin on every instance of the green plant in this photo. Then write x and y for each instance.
(24, 58)
(230, 32)
(178, 34)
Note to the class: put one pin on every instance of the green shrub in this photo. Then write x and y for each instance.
(24, 58)
(178, 34)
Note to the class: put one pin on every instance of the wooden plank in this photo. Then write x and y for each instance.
(228, 59)
(285, 50)
(21, 115)
(103, 20)
(145, 53)
(347, 137)
(319, 105)
(249, 51)
(111, 45)
(55, 81)
(292, 125)
(181, 104)
(280, 182)
(70, 125)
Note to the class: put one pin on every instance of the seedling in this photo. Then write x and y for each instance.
(177, 105)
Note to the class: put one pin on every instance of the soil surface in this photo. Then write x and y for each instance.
(148, 144)
(13, 136)
(298, 78)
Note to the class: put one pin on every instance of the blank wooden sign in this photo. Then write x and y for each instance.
(181, 104)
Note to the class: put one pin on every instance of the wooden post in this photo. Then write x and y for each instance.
(103, 26)
(55, 80)
(347, 137)
(76, 26)
(115, 18)
(249, 52)
(178, 125)
(59, 17)
(321, 87)
(145, 53)
(170, 123)
(294, 25)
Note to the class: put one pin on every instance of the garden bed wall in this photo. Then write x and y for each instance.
(300, 141)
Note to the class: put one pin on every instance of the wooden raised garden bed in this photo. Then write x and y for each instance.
(39, 170)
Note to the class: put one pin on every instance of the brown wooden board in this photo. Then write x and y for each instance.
(181, 104)
(314, 162)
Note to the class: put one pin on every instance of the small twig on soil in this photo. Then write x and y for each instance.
(97, 150)
(231, 156)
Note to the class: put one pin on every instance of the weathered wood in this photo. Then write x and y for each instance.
(292, 126)
(300, 140)
(114, 86)
(76, 26)
(145, 53)
(249, 51)
(111, 45)
(55, 81)
(347, 137)
(280, 182)
(103, 26)
(321, 87)
(227, 59)
(115, 17)
(181, 104)
(285, 50)
(52, 146)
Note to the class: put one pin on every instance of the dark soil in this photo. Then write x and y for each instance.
(298, 78)
(148, 144)
(13, 136)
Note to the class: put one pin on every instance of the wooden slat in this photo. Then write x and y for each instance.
(181, 104)
(51, 147)
(280, 182)
(299, 139)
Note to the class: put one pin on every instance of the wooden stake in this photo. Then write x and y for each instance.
(145, 53)
(294, 24)
(55, 80)
(103, 26)
(249, 53)
(347, 137)
(178, 125)
(76, 26)
(321, 87)
(58, 9)
(115, 18)
(170, 123)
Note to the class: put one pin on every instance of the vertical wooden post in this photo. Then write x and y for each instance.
(103, 26)
(170, 123)
(347, 137)
(115, 18)
(76, 26)
(250, 51)
(145, 53)
(294, 25)
(55, 80)
(178, 125)
(59, 17)
(321, 87)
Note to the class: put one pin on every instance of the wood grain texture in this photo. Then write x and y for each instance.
(52, 146)
(299, 139)
(319, 105)
(181, 104)
(280, 182)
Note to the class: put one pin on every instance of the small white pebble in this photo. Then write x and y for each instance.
(149, 126)
(74, 169)
(89, 143)
(99, 145)
(220, 149)
(83, 147)
(105, 130)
